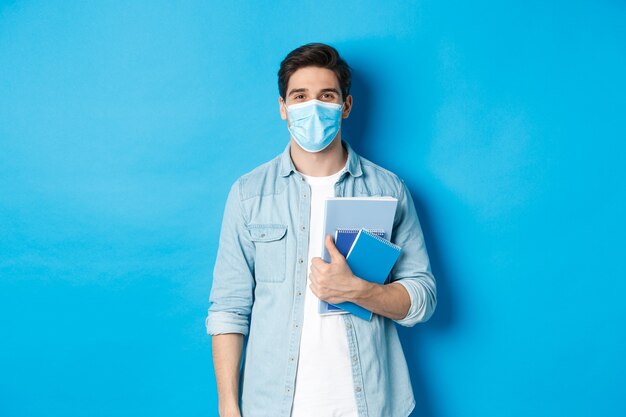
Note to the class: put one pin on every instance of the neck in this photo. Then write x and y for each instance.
(319, 164)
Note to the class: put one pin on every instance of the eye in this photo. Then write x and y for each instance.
(299, 97)
(328, 96)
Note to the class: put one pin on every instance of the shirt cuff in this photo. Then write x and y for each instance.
(417, 311)
(222, 322)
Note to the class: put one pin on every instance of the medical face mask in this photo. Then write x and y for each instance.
(314, 124)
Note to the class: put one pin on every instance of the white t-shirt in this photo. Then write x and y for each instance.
(324, 385)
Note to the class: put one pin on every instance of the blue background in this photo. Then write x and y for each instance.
(123, 125)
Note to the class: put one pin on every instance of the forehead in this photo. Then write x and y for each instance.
(313, 78)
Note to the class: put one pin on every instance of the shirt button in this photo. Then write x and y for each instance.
(262, 234)
(354, 358)
(303, 195)
(348, 325)
(299, 293)
(300, 260)
(358, 389)
(303, 227)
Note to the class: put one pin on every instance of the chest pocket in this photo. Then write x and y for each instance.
(270, 243)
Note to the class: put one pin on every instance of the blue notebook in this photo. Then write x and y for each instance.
(370, 258)
(356, 212)
(344, 238)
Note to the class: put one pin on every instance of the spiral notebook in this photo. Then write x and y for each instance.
(356, 212)
(370, 258)
(344, 238)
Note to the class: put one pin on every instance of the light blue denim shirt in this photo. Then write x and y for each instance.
(259, 284)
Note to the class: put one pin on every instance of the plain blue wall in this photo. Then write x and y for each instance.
(123, 125)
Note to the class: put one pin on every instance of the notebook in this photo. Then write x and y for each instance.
(356, 212)
(370, 258)
(344, 238)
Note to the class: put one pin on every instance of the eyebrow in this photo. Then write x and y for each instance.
(305, 90)
(298, 90)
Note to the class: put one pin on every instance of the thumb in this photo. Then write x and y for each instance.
(335, 255)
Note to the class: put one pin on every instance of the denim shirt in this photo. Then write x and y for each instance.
(259, 284)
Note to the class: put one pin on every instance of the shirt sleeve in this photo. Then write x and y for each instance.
(233, 281)
(412, 270)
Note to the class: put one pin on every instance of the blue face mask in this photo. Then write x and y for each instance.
(314, 124)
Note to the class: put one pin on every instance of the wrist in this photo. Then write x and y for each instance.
(229, 409)
(363, 290)
(228, 405)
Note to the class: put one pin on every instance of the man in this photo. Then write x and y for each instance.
(269, 276)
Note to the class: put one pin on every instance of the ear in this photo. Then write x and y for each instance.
(347, 106)
(281, 107)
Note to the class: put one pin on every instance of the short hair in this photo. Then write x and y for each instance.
(314, 55)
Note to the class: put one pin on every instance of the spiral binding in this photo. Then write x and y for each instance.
(356, 229)
(385, 241)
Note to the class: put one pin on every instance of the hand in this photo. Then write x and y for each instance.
(334, 282)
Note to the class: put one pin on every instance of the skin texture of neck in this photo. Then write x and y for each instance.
(319, 164)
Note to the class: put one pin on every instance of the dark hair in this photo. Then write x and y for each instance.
(314, 55)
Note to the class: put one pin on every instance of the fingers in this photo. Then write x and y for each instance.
(317, 272)
(335, 255)
(317, 261)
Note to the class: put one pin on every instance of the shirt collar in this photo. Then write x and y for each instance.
(353, 165)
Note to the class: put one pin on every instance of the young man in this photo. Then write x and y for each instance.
(269, 276)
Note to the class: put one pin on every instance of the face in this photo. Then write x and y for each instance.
(311, 83)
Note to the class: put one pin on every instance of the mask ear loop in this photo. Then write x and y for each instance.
(286, 112)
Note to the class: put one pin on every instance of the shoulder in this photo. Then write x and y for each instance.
(382, 179)
(261, 180)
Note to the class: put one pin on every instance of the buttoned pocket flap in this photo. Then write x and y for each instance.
(266, 232)
(270, 246)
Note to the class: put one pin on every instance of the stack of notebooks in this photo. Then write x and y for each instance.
(362, 231)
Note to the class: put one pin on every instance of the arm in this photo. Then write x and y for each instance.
(226, 359)
(335, 283)
(391, 300)
(231, 302)
(411, 295)
(412, 270)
